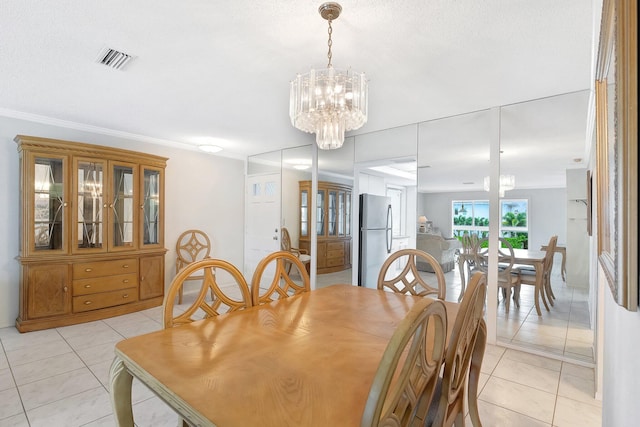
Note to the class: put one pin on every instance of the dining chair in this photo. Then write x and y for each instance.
(466, 259)
(274, 270)
(528, 273)
(192, 245)
(302, 254)
(217, 281)
(409, 280)
(508, 276)
(408, 372)
(463, 360)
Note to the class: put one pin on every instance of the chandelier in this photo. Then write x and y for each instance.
(329, 102)
(507, 182)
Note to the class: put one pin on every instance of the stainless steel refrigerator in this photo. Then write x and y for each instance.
(375, 237)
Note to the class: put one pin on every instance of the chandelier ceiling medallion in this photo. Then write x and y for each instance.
(329, 102)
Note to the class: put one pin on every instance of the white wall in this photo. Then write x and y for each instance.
(621, 393)
(201, 191)
(547, 211)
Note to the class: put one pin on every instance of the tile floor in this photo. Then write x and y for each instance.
(60, 377)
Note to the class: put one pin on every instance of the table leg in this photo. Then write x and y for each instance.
(540, 291)
(120, 385)
(563, 269)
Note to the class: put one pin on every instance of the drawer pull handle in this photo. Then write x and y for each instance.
(87, 303)
(125, 281)
(125, 296)
(125, 266)
(88, 270)
(65, 289)
(87, 286)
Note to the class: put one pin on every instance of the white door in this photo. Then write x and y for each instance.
(262, 219)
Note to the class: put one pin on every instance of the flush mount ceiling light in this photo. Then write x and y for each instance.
(507, 182)
(207, 148)
(329, 102)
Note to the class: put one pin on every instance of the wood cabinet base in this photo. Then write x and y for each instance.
(88, 316)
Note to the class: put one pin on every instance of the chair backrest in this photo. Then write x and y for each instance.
(409, 280)
(224, 297)
(285, 240)
(265, 288)
(192, 245)
(548, 258)
(505, 258)
(409, 369)
(464, 354)
(470, 243)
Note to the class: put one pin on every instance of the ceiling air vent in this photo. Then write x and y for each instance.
(113, 58)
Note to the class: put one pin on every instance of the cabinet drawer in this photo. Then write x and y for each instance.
(87, 270)
(335, 246)
(338, 253)
(104, 299)
(104, 284)
(335, 262)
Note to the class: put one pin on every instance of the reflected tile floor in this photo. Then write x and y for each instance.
(60, 377)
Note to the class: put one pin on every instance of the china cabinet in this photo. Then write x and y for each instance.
(333, 225)
(91, 232)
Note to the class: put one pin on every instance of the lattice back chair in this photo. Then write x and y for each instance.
(408, 372)
(409, 280)
(271, 279)
(463, 361)
(508, 276)
(528, 273)
(302, 254)
(192, 245)
(226, 285)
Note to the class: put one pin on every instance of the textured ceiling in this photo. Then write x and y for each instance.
(221, 69)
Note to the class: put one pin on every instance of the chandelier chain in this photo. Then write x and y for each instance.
(329, 43)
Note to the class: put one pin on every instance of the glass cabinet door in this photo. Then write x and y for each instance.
(151, 215)
(332, 213)
(122, 213)
(49, 203)
(347, 214)
(320, 213)
(341, 213)
(89, 215)
(304, 213)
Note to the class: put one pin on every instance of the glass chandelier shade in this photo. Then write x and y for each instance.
(329, 102)
(507, 182)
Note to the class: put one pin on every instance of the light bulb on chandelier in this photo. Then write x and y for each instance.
(329, 102)
(507, 182)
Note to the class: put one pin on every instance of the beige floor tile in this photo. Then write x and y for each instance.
(578, 388)
(98, 353)
(529, 375)
(74, 410)
(154, 413)
(92, 340)
(578, 371)
(39, 351)
(46, 368)
(19, 420)
(14, 340)
(6, 379)
(533, 359)
(51, 389)
(571, 413)
(496, 416)
(519, 398)
(83, 329)
(10, 403)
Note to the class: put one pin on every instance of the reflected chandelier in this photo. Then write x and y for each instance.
(329, 102)
(507, 182)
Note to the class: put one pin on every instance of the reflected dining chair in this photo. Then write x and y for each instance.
(528, 273)
(302, 254)
(463, 360)
(508, 276)
(192, 245)
(408, 372)
(271, 279)
(224, 297)
(409, 280)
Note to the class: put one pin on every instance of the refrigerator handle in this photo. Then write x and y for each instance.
(389, 229)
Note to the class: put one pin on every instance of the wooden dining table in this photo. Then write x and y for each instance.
(522, 257)
(307, 360)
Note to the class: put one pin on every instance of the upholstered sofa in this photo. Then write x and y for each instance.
(443, 250)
